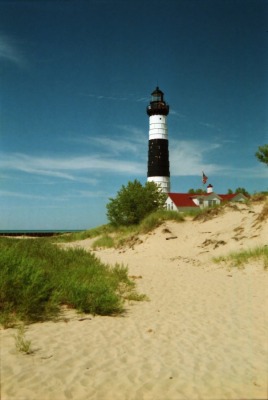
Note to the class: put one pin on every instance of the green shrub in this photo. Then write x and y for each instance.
(36, 278)
(25, 288)
(134, 202)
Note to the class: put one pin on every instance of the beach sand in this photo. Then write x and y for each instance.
(201, 335)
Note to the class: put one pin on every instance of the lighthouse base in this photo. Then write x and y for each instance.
(162, 181)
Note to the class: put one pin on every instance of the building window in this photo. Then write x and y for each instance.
(212, 203)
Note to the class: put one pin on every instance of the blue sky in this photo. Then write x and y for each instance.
(76, 77)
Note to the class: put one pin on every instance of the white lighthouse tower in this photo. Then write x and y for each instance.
(158, 155)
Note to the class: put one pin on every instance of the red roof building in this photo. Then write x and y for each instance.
(181, 200)
(188, 201)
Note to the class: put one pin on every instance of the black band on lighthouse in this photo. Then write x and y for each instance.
(158, 158)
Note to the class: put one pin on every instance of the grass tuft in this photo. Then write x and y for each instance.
(208, 213)
(103, 241)
(22, 344)
(259, 197)
(134, 296)
(239, 259)
(263, 216)
(155, 219)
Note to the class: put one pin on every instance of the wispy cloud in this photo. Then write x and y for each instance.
(209, 126)
(254, 172)
(142, 99)
(90, 194)
(126, 157)
(68, 168)
(116, 145)
(112, 155)
(131, 141)
(129, 97)
(176, 114)
(7, 193)
(104, 97)
(190, 157)
(132, 131)
(10, 52)
(52, 198)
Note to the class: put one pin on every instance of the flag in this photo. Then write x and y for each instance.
(204, 178)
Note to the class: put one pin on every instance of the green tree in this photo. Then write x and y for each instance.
(230, 191)
(196, 191)
(133, 202)
(242, 190)
(191, 191)
(262, 154)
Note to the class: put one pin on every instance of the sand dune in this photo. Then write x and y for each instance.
(202, 334)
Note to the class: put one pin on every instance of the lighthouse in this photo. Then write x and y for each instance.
(158, 155)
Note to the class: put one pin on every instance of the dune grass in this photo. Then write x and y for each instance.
(263, 216)
(239, 259)
(87, 234)
(155, 219)
(257, 197)
(114, 236)
(117, 236)
(37, 277)
(108, 236)
(127, 234)
(103, 241)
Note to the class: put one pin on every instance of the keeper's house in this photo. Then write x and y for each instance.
(187, 201)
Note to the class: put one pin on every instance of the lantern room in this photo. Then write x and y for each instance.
(157, 104)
